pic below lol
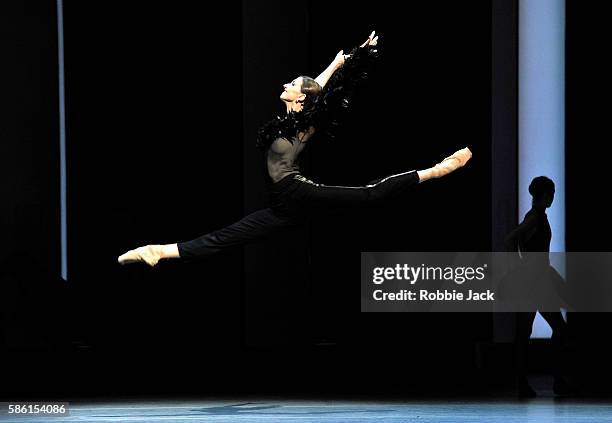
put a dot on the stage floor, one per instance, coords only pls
(273, 410)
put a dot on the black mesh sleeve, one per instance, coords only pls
(335, 100)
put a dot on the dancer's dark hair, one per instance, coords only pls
(323, 106)
(541, 185)
(312, 89)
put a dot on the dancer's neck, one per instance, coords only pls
(294, 107)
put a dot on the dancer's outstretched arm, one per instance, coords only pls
(329, 71)
(446, 166)
(339, 61)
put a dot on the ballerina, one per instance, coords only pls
(312, 105)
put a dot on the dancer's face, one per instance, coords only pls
(550, 196)
(545, 200)
(292, 91)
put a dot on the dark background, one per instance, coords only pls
(163, 103)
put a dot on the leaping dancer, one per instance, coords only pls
(313, 105)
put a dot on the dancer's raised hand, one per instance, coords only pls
(371, 41)
(340, 58)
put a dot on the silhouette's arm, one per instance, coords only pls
(520, 233)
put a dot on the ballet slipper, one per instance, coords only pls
(149, 254)
(453, 162)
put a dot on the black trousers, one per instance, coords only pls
(294, 199)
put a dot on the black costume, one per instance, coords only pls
(293, 197)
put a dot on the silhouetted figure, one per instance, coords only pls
(534, 235)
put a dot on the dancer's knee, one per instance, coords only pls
(374, 194)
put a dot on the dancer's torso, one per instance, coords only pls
(283, 156)
(539, 239)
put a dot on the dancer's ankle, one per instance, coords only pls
(448, 165)
(168, 251)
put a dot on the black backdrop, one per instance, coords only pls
(429, 96)
(587, 180)
(162, 106)
(149, 87)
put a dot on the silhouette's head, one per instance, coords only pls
(542, 189)
(301, 90)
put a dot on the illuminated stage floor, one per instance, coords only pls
(503, 411)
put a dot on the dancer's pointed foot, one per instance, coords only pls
(453, 162)
(150, 254)
(462, 156)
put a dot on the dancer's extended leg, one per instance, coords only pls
(311, 197)
(322, 198)
(251, 228)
